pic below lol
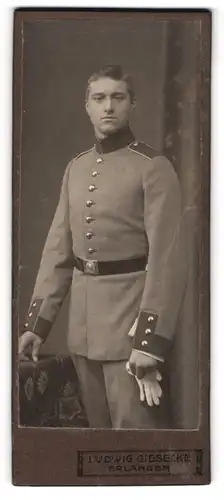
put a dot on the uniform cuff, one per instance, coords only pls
(42, 328)
(153, 356)
(35, 323)
(146, 340)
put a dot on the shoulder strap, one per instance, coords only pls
(144, 149)
(83, 153)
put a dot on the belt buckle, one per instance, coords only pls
(91, 267)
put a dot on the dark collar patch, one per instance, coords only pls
(115, 141)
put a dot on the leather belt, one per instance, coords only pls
(96, 267)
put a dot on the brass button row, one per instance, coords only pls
(89, 204)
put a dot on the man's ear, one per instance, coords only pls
(133, 103)
(87, 106)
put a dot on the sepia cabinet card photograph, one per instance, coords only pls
(111, 187)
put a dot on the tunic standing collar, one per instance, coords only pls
(115, 141)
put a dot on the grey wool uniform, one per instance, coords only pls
(120, 202)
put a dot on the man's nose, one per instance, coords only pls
(108, 105)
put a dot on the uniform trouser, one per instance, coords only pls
(111, 397)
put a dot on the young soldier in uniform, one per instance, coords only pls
(116, 240)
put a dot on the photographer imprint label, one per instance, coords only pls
(132, 463)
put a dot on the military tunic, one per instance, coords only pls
(119, 200)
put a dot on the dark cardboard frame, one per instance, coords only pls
(32, 446)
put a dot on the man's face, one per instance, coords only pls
(108, 105)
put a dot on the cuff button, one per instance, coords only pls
(144, 342)
(150, 318)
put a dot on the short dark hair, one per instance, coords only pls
(116, 73)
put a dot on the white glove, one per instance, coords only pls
(149, 386)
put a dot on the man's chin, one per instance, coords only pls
(109, 128)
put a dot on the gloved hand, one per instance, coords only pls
(149, 387)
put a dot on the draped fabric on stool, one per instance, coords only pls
(49, 393)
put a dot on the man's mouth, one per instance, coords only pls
(108, 118)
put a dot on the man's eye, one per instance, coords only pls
(120, 97)
(98, 98)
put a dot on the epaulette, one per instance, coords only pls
(83, 153)
(143, 149)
